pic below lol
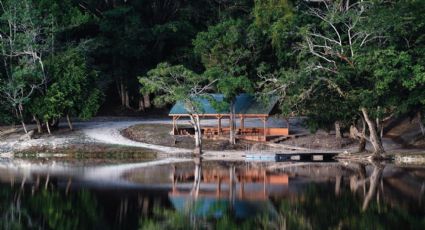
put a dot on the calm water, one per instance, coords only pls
(194, 194)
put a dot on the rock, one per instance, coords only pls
(28, 136)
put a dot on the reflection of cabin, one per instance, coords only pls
(248, 184)
(246, 107)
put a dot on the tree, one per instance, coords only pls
(134, 36)
(25, 40)
(176, 83)
(225, 54)
(336, 43)
(288, 74)
(73, 90)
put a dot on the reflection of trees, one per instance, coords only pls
(316, 208)
(197, 177)
(47, 209)
(374, 180)
(320, 206)
(319, 209)
(360, 180)
(190, 217)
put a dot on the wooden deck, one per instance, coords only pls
(306, 157)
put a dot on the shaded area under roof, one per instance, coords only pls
(244, 104)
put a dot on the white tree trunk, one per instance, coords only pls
(69, 122)
(48, 127)
(21, 117)
(24, 126)
(196, 123)
(375, 139)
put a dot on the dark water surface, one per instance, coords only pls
(195, 194)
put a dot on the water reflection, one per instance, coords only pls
(192, 193)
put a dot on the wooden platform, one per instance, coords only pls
(305, 157)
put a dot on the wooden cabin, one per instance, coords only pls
(246, 107)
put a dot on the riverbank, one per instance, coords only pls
(105, 135)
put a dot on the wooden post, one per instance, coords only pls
(287, 124)
(242, 123)
(174, 125)
(264, 131)
(219, 125)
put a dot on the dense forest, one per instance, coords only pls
(344, 64)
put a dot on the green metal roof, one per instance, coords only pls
(244, 104)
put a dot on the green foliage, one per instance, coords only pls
(329, 77)
(226, 56)
(63, 14)
(175, 83)
(305, 211)
(5, 114)
(73, 90)
(238, 45)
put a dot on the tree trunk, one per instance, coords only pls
(338, 134)
(55, 123)
(69, 122)
(421, 124)
(147, 101)
(362, 141)
(38, 123)
(379, 125)
(361, 137)
(232, 136)
(362, 145)
(121, 92)
(21, 117)
(198, 134)
(141, 105)
(24, 126)
(127, 99)
(374, 138)
(48, 127)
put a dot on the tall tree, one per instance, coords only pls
(176, 83)
(25, 40)
(73, 90)
(226, 56)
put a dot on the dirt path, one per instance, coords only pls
(110, 133)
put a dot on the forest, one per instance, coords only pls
(347, 65)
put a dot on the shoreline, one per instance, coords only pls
(108, 134)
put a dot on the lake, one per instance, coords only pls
(178, 193)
